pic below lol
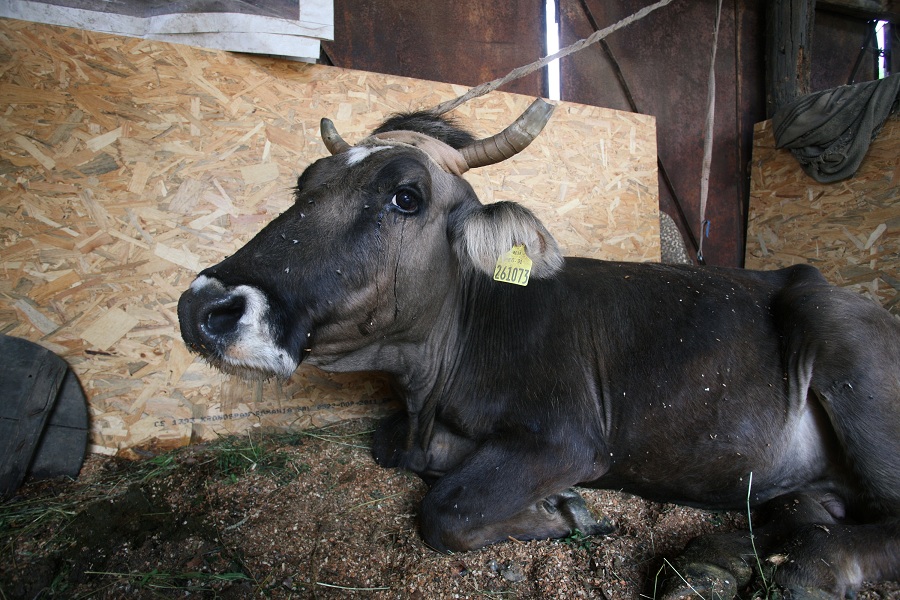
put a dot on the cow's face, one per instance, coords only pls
(367, 258)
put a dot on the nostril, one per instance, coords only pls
(223, 319)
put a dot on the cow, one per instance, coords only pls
(525, 374)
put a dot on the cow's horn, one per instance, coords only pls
(511, 140)
(333, 140)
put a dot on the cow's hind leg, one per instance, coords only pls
(505, 491)
(845, 350)
(716, 565)
(811, 552)
(802, 549)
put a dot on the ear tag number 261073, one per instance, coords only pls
(513, 267)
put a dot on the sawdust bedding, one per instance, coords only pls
(308, 515)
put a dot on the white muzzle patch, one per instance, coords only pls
(254, 350)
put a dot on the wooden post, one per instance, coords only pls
(789, 28)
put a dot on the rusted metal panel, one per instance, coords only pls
(664, 59)
(838, 40)
(457, 42)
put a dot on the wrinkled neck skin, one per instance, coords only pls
(419, 351)
(404, 347)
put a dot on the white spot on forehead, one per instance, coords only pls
(359, 153)
(199, 283)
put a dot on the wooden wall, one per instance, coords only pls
(663, 60)
(849, 229)
(128, 165)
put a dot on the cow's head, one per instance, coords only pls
(365, 259)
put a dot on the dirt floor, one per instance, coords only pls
(308, 515)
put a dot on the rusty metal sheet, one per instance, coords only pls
(836, 44)
(664, 59)
(456, 42)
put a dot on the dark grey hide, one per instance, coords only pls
(672, 382)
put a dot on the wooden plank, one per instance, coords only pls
(465, 43)
(788, 51)
(206, 148)
(666, 76)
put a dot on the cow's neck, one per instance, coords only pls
(423, 367)
(476, 342)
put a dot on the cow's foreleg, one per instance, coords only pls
(395, 446)
(389, 441)
(503, 491)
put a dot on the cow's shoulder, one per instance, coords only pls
(795, 275)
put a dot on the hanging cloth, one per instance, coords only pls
(829, 132)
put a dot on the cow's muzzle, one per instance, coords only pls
(230, 327)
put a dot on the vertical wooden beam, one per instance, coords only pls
(789, 29)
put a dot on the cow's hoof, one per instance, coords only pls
(727, 552)
(580, 518)
(698, 580)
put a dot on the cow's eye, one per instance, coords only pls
(407, 201)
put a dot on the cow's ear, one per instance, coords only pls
(489, 231)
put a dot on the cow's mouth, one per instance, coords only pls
(230, 327)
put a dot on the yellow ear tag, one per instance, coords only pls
(513, 267)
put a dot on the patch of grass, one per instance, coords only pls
(26, 518)
(577, 539)
(156, 467)
(236, 456)
(19, 517)
(232, 456)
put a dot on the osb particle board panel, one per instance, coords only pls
(128, 165)
(850, 230)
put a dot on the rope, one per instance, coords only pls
(708, 138)
(485, 88)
